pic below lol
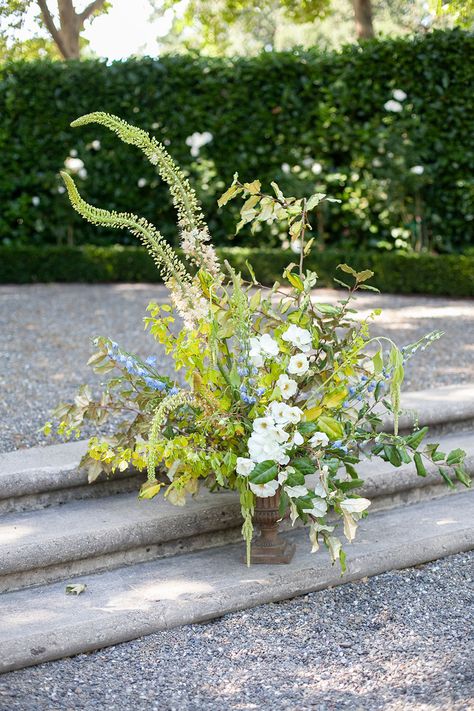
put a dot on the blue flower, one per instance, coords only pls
(173, 391)
(346, 403)
(371, 387)
(363, 379)
(151, 360)
(352, 390)
(155, 384)
(243, 389)
(242, 371)
(260, 391)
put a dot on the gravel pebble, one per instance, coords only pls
(47, 329)
(401, 640)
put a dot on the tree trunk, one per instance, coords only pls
(71, 24)
(71, 27)
(363, 19)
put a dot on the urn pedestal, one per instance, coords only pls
(268, 547)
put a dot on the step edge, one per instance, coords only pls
(122, 627)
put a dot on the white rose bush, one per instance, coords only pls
(278, 394)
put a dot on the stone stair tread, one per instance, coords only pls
(79, 530)
(43, 623)
(436, 406)
(54, 468)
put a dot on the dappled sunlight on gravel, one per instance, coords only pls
(47, 331)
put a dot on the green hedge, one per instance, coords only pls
(296, 108)
(447, 275)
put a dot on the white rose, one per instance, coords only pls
(244, 466)
(298, 337)
(264, 490)
(288, 387)
(319, 439)
(298, 364)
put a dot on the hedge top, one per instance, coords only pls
(301, 109)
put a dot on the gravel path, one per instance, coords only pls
(46, 331)
(401, 640)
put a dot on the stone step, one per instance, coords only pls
(43, 623)
(445, 409)
(80, 537)
(43, 476)
(37, 477)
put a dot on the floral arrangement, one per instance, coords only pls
(279, 394)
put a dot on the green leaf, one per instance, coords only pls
(377, 360)
(420, 467)
(347, 269)
(253, 187)
(307, 428)
(327, 309)
(314, 200)
(462, 476)
(229, 194)
(295, 281)
(303, 465)
(330, 426)
(149, 490)
(446, 477)
(392, 455)
(455, 457)
(264, 472)
(349, 485)
(414, 440)
(364, 275)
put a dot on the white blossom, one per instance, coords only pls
(318, 507)
(394, 106)
(298, 337)
(197, 140)
(268, 345)
(283, 414)
(287, 386)
(74, 164)
(141, 182)
(399, 94)
(417, 170)
(298, 438)
(294, 492)
(35, 200)
(317, 168)
(96, 145)
(319, 439)
(264, 490)
(298, 365)
(244, 466)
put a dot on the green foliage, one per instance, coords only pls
(258, 368)
(443, 275)
(314, 123)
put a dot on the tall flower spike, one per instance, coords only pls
(189, 302)
(195, 234)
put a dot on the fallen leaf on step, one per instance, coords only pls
(76, 589)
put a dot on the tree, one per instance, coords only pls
(64, 24)
(215, 16)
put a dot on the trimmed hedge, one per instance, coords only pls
(295, 108)
(443, 275)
